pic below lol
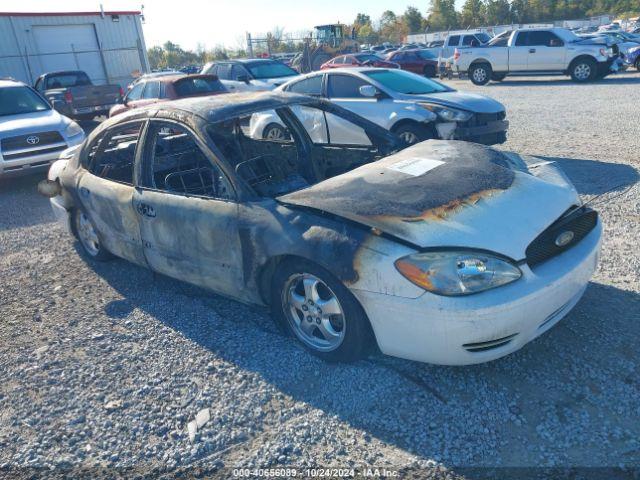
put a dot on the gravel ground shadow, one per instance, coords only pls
(542, 404)
(592, 177)
(626, 78)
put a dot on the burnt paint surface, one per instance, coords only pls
(377, 192)
(268, 230)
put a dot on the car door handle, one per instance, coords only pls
(146, 210)
(532, 50)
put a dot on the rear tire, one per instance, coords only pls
(638, 64)
(584, 70)
(480, 73)
(430, 71)
(88, 237)
(314, 307)
(412, 133)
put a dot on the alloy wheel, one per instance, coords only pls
(409, 137)
(313, 312)
(479, 75)
(582, 71)
(275, 133)
(87, 235)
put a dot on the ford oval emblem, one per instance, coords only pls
(33, 140)
(564, 238)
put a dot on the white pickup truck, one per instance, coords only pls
(537, 52)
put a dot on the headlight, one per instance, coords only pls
(73, 129)
(448, 114)
(457, 272)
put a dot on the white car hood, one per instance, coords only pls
(447, 194)
(48, 120)
(470, 102)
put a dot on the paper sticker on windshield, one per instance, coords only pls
(415, 166)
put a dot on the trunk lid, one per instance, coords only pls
(446, 194)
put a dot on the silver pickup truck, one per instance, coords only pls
(537, 52)
(73, 94)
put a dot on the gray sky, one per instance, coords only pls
(189, 22)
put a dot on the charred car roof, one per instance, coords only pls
(215, 108)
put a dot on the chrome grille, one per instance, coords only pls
(39, 143)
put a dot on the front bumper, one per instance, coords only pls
(489, 134)
(612, 65)
(488, 325)
(61, 213)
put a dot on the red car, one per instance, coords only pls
(358, 60)
(422, 62)
(170, 87)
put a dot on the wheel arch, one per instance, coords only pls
(479, 61)
(410, 121)
(582, 56)
(268, 269)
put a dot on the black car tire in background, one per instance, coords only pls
(413, 132)
(357, 338)
(430, 71)
(480, 73)
(498, 77)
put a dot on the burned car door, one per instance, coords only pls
(105, 189)
(187, 211)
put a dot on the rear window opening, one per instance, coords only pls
(198, 85)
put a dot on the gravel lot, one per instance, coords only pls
(105, 365)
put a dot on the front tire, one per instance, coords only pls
(275, 132)
(412, 133)
(480, 73)
(584, 70)
(88, 236)
(314, 307)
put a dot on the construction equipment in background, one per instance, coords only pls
(328, 41)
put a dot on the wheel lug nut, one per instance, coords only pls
(309, 319)
(305, 308)
(318, 320)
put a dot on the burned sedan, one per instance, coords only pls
(445, 252)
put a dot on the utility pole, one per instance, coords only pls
(249, 46)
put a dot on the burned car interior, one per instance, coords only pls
(303, 157)
(174, 161)
(178, 165)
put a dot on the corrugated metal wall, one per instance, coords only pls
(122, 46)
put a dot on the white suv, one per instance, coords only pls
(32, 134)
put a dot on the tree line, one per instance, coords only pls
(391, 27)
